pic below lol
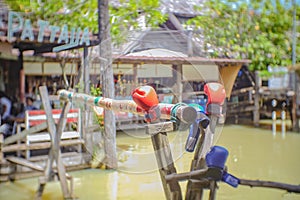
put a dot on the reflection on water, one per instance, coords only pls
(253, 154)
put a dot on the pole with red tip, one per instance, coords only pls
(143, 104)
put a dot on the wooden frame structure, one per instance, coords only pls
(54, 154)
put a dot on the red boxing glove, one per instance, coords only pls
(215, 93)
(145, 97)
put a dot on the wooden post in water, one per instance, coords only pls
(256, 99)
(1, 147)
(164, 158)
(108, 88)
(54, 153)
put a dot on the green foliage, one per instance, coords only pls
(257, 30)
(84, 13)
(125, 16)
(96, 91)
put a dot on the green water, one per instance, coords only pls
(253, 154)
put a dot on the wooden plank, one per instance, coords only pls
(42, 145)
(24, 133)
(60, 166)
(26, 163)
(51, 129)
(62, 122)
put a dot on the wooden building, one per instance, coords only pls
(254, 100)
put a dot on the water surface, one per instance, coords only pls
(253, 154)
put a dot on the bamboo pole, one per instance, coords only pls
(184, 113)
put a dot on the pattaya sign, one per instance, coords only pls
(68, 39)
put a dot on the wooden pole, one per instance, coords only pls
(86, 71)
(51, 128)
(57, 153)
(108, 87)
(164, 159)
(256, 100)
(271, 184)
(179, 91)
(24, 133)
(295, 85)
(22, 77)
(1, 147)
(186, 114)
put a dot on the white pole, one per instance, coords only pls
(274, 103)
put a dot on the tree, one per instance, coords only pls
(95, 15)
(255, 30)
(124, 15)
(108, 87)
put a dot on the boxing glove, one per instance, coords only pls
(215, 93)
(145, 97)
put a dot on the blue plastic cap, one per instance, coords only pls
(216, 157)
(230, 179)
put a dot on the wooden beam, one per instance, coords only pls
(176, 60)
(166, 166)
(26, 163)
(1, 147)
(41, 145)
(24, 133)
(60, 166)
(256, 114)
(271, 184)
